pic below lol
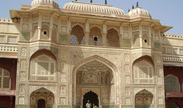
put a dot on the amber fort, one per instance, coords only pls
(60, 57)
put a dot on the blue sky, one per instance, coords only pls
(169, 12)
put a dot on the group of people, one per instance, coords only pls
(88, 105)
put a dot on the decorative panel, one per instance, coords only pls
(126, 43)
(12, 39)
(108, 107)
(63, 29)
(125, 35)
(157, 46)
(63, 38)
(20, 106)
(64, 106)
(2, 38)
(25, 26)
(25, 36)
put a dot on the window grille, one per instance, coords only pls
(77, 35)
(5, 81)
(43, 68)
(112, 38)
(143, 72)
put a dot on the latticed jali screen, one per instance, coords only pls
(112, 38)
(143, 72)
(77, 35)
(4, 79)
(43, 68)
(95, 32)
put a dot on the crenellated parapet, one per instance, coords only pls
(6, 20)
(170, 35)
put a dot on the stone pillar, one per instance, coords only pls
(104, 39)
(39, 27)
(86, 38)
(51, 28)
(121, 35)
(30, 27)
(69, 30)
(140, 36)
(150, 37)
(104, 34)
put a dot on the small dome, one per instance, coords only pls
(44, 3)
(93, 8)
(139, 11)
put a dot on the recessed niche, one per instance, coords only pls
(45, 32)
(145, 40)
(95, 38)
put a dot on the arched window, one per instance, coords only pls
(95, 37)
(45, 31)
(5, 81)
(172, 84)
(43, 68)
(112, 38)
(77, 35)
(145, 40)
(143, 72)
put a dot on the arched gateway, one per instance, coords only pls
(94, 78)
(41, 98)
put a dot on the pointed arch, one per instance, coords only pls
(95, 31)
(41, 93)
(143, 98)
(43, 66)
(77, 35)
(143, 70)
(97, 58)
(45, 31)
(171, 83)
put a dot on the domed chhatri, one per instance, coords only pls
(93, 8)
(49, 3)
(139, 12)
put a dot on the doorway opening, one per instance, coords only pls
(41, 103)
(93, 97)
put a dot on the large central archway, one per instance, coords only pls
(97, 77)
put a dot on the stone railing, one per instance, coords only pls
(169, 35)
(172, 59)
(8, 49)
(6, 20)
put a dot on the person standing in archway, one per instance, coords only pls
(94, 106)
(88, 105)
